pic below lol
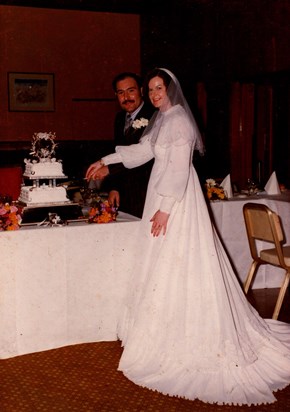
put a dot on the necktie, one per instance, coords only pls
(128, 122)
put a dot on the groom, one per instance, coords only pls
(127, 187)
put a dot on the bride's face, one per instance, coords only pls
(158, 94)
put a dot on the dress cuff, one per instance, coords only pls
(167, 204)
(111, 159)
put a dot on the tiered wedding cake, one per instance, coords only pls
(43, 170)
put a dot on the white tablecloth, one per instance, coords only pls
(229, 221)
(63, 285)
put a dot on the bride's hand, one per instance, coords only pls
(92, 170)
(159, 223)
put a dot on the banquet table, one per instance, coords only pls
(229, 222)
(63, 285)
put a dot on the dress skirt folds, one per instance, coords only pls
(187, 328)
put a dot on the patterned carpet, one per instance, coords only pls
(84, 378)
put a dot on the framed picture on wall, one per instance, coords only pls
(31, 92)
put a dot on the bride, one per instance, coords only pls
(187, 328)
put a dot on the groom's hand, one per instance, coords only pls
(114, 198)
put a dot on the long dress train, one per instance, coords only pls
(187, 328)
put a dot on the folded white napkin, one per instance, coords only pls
(272, 186)
(226, 184)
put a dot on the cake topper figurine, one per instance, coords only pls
(43, 145)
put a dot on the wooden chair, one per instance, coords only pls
(262, 224)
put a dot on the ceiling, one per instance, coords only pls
(118, 6)
(156, 7)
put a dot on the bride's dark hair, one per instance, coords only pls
(178, 108)
(154, 73)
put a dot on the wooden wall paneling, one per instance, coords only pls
(247, 130)
(281, 130)
(241, 132)
(84, 50)
(263, 153)
(202, 103)
(234, 131)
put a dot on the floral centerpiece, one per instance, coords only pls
(214, 191)
(101, 212)
(10, 215)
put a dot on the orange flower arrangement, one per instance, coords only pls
(101, 211)
(10, 215)
(214, 191)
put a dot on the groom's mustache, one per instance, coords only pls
(128, 101)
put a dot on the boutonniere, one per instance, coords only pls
(137, 124)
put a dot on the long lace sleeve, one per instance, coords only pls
(131, 156)
(135, 154)
(111, 159)
(173, 181)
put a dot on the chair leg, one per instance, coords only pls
(281, 296)
(250, 276)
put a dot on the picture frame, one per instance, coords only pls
(31, 92)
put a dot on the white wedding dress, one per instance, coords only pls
(187, 328)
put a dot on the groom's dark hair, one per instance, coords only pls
(123, 76)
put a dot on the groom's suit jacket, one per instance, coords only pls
(130, 183)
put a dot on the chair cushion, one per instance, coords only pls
(270, 256)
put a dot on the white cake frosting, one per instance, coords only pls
(43, 170)
(43, 195)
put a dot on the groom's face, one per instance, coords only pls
(128, 94)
